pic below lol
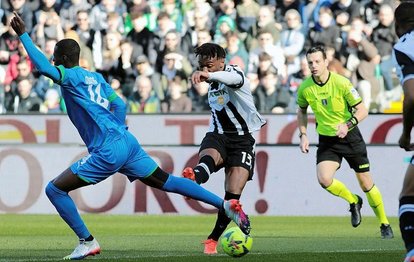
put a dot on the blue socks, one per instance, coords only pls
(191, 189)
(67, 210)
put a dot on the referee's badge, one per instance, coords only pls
(324, 102)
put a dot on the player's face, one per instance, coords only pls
(317, 64)
(57, 58)
(212, 64)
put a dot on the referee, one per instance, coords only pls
(338, 110)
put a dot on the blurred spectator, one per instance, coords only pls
(99, 13)
(123, 69)
(26, 100)
(48, 27)
(143, 37)
(199, 97)
(236, 52)
(335, 65)
(164, 25)
(265, 22)
(89, 36)
(114, 24)
(19, 64)
(265, 64)
(172, 44)
(285, 5)
(143, 68)
(361, 57)
(227, 8)
(111, 52)
(225, 25)
(296, 79)
(176, 101)
(292, 41)
(9, 43)
(325, 32)
(370, 11)
(24, 10)
(351, 7)
(247, 14)
(116, 86)
(24, 71)
(174, 65)
(272, 96)
(311, 12)
(69, 11)
(143, 100)
(51, 105)
(384, 37)
(266, 44)
(171, 9)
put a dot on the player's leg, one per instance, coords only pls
(239, 165)
(236, 179)
(211, 157)
(91, 169)
(406, 211)
(57, 192)
(141, 166)
(183, 186)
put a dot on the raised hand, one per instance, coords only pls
(200, 76)
(17, 24)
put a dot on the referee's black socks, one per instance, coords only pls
(205, 167)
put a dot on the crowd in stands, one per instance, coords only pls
(145, 49)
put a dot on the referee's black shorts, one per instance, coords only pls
(236, 150)
(352, 148)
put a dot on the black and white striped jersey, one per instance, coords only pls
(231, 102)
(403, 53)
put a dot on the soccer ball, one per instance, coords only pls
(235, 243)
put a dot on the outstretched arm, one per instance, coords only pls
(233, 78)
(38, 58)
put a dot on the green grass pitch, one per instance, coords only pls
(178, 238)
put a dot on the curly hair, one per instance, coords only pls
(210, 50)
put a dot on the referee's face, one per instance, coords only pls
(317, 64)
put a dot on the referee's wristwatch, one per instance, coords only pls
(302, 134)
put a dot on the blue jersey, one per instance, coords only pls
(87, 97)
(93, 107)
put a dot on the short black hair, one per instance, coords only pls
(315, 49)
(210, 50)
(404, 20)
(70, 48)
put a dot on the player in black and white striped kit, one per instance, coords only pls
(229, 142)
(404, 55)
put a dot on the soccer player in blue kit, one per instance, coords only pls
(99, 116)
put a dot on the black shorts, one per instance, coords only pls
(236, 150)
(352, 148)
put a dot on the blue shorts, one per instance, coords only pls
(124, 155)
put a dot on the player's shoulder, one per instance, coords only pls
(232, 68)
(405, 44)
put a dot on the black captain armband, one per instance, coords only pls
(353, 121)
